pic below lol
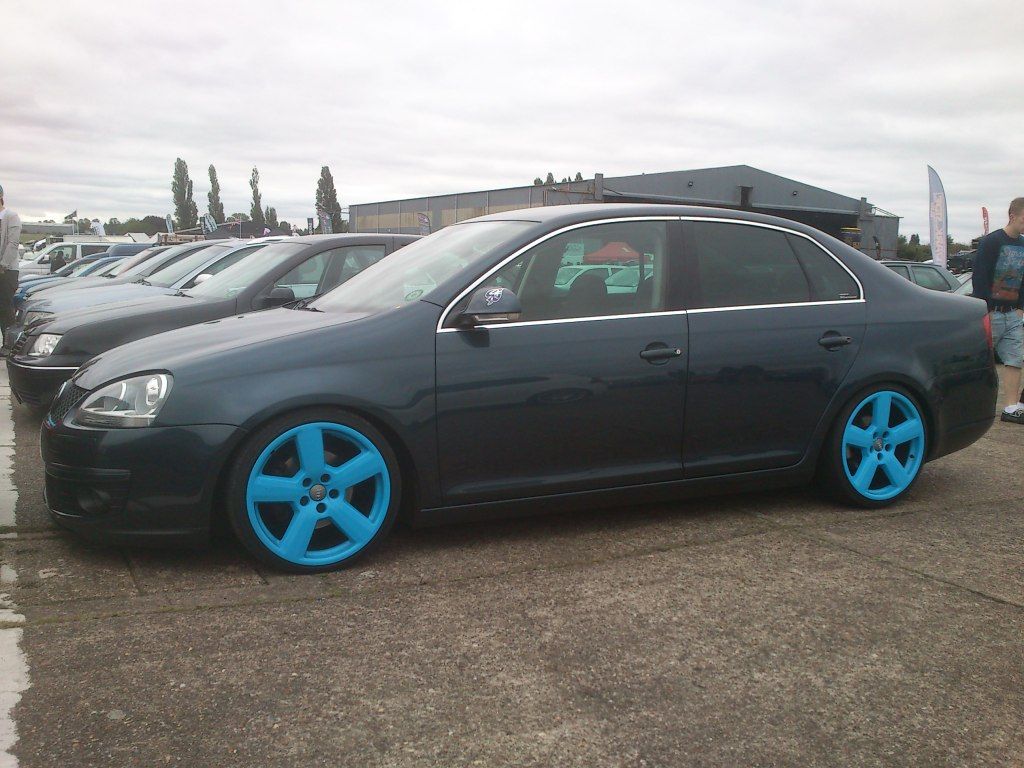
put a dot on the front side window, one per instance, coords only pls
(591, 271)
(739, 265)
(67, 252)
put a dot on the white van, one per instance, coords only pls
(39, 263)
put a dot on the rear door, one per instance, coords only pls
(775, 324)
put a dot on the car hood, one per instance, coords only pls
(66, 301)
(68, 318)
(193, 346)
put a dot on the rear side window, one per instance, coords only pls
(740, 265)
(930, 278)
(89, 250)
(899, 270)
(829, 281)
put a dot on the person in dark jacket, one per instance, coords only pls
(57, 261)
(997, 278)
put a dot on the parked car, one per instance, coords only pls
(84, 267)
(763, 354)
(966, 285)
(175, 272)
(962, 261)
(51, 348)
(39, 263)
(930, 276)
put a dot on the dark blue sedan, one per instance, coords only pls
(458, 381)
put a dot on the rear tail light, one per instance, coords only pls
(987, 324)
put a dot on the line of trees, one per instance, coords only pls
(550, 179)
(186, 213)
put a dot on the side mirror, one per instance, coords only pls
(203, 278)
(490, 305)
(278, 296)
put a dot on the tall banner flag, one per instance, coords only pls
(309, 225)
(424, 220)
(170, 224)
(984, 218)
(937, 217)
(209, 225)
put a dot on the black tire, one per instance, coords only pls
(832, 477)
(245, 459)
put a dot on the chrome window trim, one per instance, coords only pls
(557, 320)
(579, 225)
(43, 367)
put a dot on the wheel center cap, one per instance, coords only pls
(317, 492)
(878, 444)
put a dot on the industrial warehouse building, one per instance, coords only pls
(854, 220)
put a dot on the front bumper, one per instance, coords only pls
(135, 486)
(37, 384)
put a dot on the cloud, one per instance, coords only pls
(403, 99)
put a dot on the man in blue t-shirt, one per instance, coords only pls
(998, 273)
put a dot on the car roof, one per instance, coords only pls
(346, 237)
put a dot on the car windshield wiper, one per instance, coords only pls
(304, 304)
(182, 293)
(143, 281)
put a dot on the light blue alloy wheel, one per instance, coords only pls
(318, 494)
(883, 445)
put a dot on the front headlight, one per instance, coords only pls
(133, 402)
(31, 317)
(44, 345)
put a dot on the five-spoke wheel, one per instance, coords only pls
(312, 493)
(878, 447)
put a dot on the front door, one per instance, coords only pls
(586, 391)
(775, 324)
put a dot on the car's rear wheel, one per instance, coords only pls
(314, 490)
(876, 448)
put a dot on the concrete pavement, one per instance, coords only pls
(760, 629)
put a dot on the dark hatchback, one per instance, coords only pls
(456, 382)
(49, 352)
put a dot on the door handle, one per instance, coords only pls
(832, 341)
(660, 354)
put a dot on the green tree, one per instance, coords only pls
(237, 216)
(327, 199)
(216, 207)
(271, 216)
(285, 227)
(537, 182)
(579, 176)
(256, 212)
(185, 212)
(550, 179)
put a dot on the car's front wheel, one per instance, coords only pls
(876, 448)
(313, 490)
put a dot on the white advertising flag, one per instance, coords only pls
(937, 217)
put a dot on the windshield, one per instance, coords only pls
(168, 275)
(132, 261)
(240, 276)
(76, 268)
(105, 269)
(420, 266)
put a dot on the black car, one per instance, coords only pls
(49, 352)
(457, 382)
(930, 276)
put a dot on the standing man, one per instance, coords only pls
(997, 278)
(10, 237)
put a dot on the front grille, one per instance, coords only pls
(68, 399)
(19, 345)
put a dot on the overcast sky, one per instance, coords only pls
(404, 98)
